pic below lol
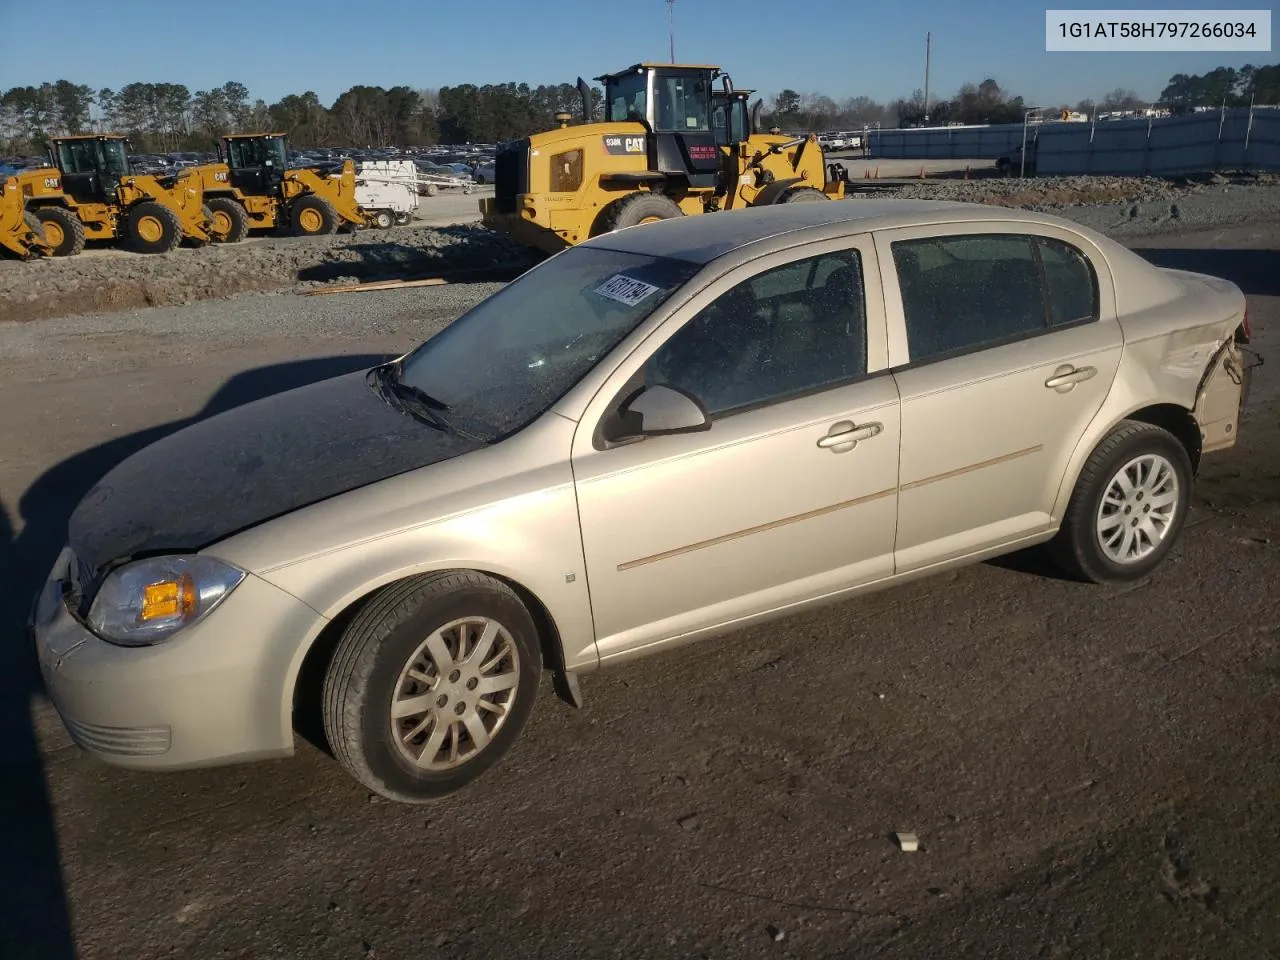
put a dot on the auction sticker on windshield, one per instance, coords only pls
(626, 289)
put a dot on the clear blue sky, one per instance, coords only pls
(835, 47)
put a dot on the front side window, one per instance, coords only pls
(784, 332)
(517, 353)
(962, 292)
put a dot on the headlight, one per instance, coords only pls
(147, 601)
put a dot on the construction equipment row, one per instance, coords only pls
(89, 192)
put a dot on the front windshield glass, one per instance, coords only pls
(626, 96)
(515, 354)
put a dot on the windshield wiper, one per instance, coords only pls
(415, 401)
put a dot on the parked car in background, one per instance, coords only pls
(714, 421)
(484, 172)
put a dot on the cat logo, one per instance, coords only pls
(52, 183)
(620, 146)
(220, 175)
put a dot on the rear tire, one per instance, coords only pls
(230, 220)
(450, 729)
(61, 229)
(637, 208)
(151, 227)
(802, 195)
(312, 216)
(1101, 518)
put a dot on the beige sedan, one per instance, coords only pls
(667, 433)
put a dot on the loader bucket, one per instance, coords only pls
(17, 233)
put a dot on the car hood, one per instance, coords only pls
(251, 463)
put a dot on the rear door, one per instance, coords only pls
(1004, 344)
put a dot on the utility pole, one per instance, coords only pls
(671, 27)
(928, 51)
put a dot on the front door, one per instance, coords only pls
(790, 495)
(1004, 346)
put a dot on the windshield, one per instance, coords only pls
(256, 152)
(626, 96)
(515, 354)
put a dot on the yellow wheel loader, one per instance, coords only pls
(91, 193)
(671, 145)
(254, 188)
(20, 231)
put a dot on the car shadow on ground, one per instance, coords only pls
(34, 916)
(1256, 272)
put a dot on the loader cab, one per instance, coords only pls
(91, 167)
(257, 162)
(674, 104)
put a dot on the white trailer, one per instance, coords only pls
(388, 191)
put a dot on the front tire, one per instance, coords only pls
(802, 195)
(431, 684)
(312, 216)
(152, 228)
(1128, 508)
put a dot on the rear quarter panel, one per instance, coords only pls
(1174, 324)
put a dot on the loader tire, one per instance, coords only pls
(312, 216)
(152, 227)
(61, 229)
(230, 220)
(637, 208)
(802, 195)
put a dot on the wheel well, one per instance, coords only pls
(1179, 422)
(308, 692)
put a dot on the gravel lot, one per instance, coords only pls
(1092, 773)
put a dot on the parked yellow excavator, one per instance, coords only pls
(671, 145)
(253, 187)
(92, 193)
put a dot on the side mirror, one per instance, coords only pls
(662, 410)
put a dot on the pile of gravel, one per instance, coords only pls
(108, 280)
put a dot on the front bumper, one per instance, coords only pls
(219, 691)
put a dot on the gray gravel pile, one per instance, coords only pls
(1124, 206)
(105, 280)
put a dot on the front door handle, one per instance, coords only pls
(843, 435)
(1066, 377)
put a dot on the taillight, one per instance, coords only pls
(1244, 332)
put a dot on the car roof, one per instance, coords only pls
(701, 239)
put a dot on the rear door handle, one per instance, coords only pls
(844, 434)
(1066, 377)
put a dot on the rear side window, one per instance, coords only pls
(1069, 281)
(962, 293)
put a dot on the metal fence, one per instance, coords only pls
(1246, 138)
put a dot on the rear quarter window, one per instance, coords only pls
(1071, 284)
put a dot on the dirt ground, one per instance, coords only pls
(1091, 772)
